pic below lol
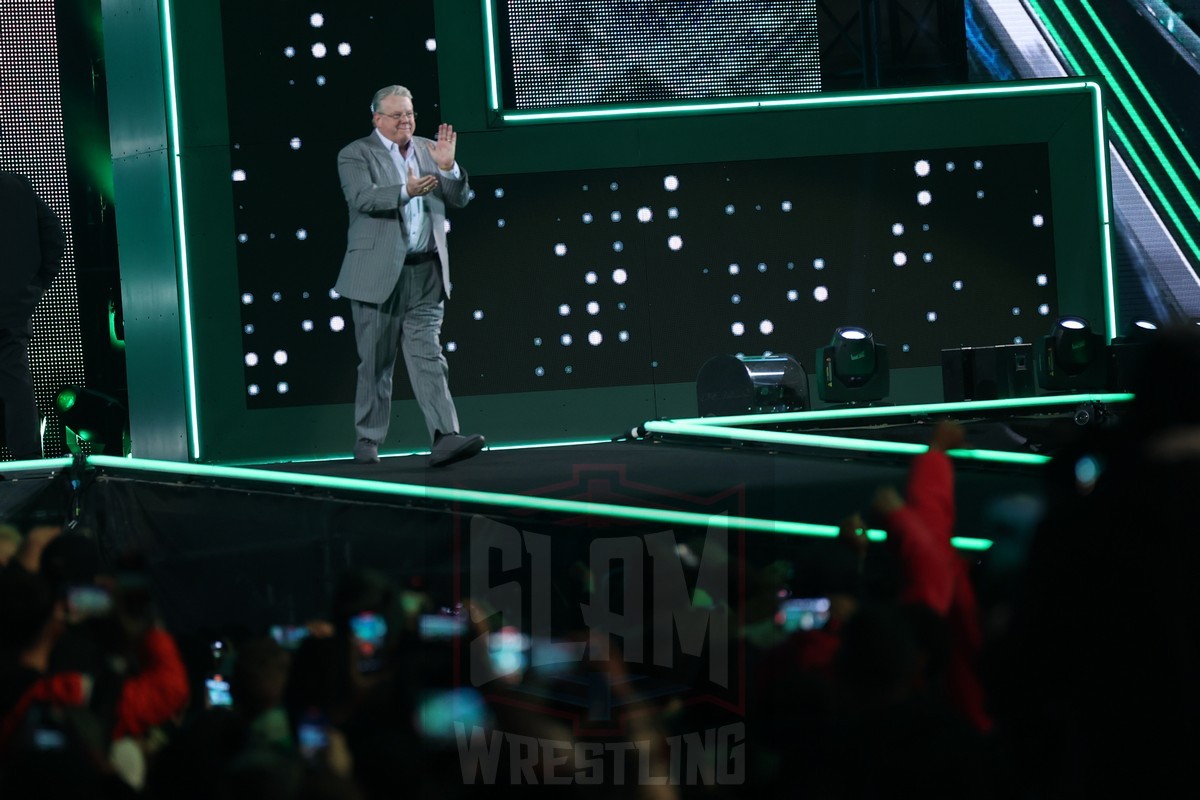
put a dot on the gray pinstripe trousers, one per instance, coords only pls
(409, 321)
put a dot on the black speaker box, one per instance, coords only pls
(988, 373)
(1124, 358)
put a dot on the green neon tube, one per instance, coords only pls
(922, 409)
(502, 500)
(834, 442)
(1138, 122)
(858, 98)
(193, 415)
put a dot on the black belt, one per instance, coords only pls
(413, 259)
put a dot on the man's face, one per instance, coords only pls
(394, 118)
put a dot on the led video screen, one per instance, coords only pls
(584, 279)
(579, 52)
(32, 144)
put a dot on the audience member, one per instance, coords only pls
(86, 671)
(10, 543)
(934, 575)
(1092, 642)
(1099, 694)
(34, 243)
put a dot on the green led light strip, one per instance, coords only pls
(1141, 87)
(468, 496)
(833, 442)
(970, 543)
(1138, 122)
(266, 461)
(193, 415)
(1149, 179)
(511, 501)
(341, 456)
(37, 464)
(539, 445)
(489, 30)
(1159, 154)
(858, 98)
(1101, 153)
(628, 111)
(1102, 180)
(923, 409)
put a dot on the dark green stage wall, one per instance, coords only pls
(603, 259)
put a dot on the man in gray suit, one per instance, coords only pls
(396, 272)
(33, 242)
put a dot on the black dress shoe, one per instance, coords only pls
(366, 451)
(453, 447)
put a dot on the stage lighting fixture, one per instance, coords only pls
(1140, 330)
(93, 417)
(853, 368)
(1071, 358)
(767, 384)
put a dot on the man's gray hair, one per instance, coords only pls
(389, 91)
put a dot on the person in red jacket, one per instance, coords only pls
(919, 528)
(887, 690)
(44, 612)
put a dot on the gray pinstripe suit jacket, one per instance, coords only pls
(377, 235)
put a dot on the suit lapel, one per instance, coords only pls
(383, 159)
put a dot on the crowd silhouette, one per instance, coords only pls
(1064, 663)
